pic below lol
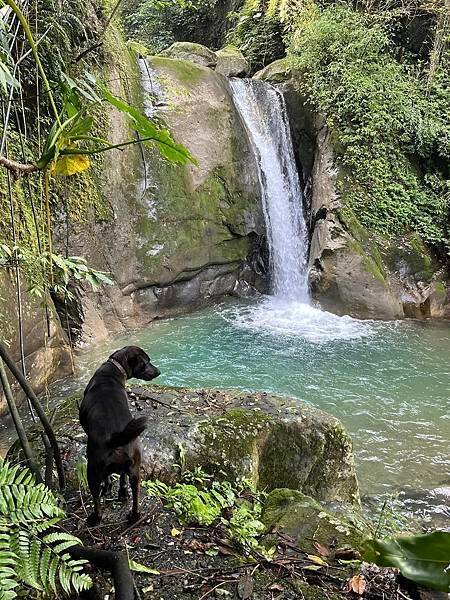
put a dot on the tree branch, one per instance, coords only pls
(16, 167)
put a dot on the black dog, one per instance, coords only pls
(112, 445)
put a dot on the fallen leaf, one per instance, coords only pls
(226, 551)
(174, 532)
(347, 554)
(276, 587)
(322, 550)
(317, 560)
(358, 584)
(140, 568)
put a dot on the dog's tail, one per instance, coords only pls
(133, 429)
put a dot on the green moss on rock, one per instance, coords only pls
(308, 521)
(230, 442)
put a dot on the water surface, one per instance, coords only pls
(388, 382)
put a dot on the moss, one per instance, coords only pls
(410, 257)
(183, 71)
(440, 289)
(230, 441)
(277, 72)
(307, 520)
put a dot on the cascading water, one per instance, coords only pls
(263, 111)
(288, 310)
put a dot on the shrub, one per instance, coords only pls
(391, 123)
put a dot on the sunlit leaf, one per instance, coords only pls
(69, 164)
(140, 568)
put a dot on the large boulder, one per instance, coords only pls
(274, 441)
(196, 53)
(231, 62)
(277, 72)
(307, 521)
(178, 237)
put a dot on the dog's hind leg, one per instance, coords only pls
(123, 488)
(94, 483)
(135, 483)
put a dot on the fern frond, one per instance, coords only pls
(32, 553)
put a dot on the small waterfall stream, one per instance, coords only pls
(263, 111)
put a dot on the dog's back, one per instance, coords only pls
(104, 410)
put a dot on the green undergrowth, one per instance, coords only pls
(389, 118)
(200, 500)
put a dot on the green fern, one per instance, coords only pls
(32, 553)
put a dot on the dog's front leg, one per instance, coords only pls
(123, 490)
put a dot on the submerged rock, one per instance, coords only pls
(231, 62)
(274, 441)
(196, 53)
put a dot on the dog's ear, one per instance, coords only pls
(138, 361)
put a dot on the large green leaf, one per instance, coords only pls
(424, 559)
(150, 131)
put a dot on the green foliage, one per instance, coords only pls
(33, 553)
(198, 500)
(65, 270)
(424, 559)
(159, 23)
(258, 32)
(391, 124)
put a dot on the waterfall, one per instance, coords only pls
(263, 111)
(288, 311)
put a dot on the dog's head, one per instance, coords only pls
(136, 363)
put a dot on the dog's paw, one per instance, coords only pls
(133, 517)
(93, 520)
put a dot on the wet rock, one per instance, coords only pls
(180, 236)
(47, 357)
(274, 441)
(231, 62)
(196, 53)
(277, 72)
(308, 522)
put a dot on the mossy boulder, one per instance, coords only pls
(306, 521)
(278, 71)
(231, 62)
(180, 236)
(192, 52)
(274, 441)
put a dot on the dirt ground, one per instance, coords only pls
(201, 562)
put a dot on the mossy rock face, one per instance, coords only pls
(307, 521)
(189, 51)
(277, 72)
(273, 441)
(180, 236)
(44, 361)
(231, 62)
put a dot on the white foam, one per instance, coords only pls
(278, 316)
